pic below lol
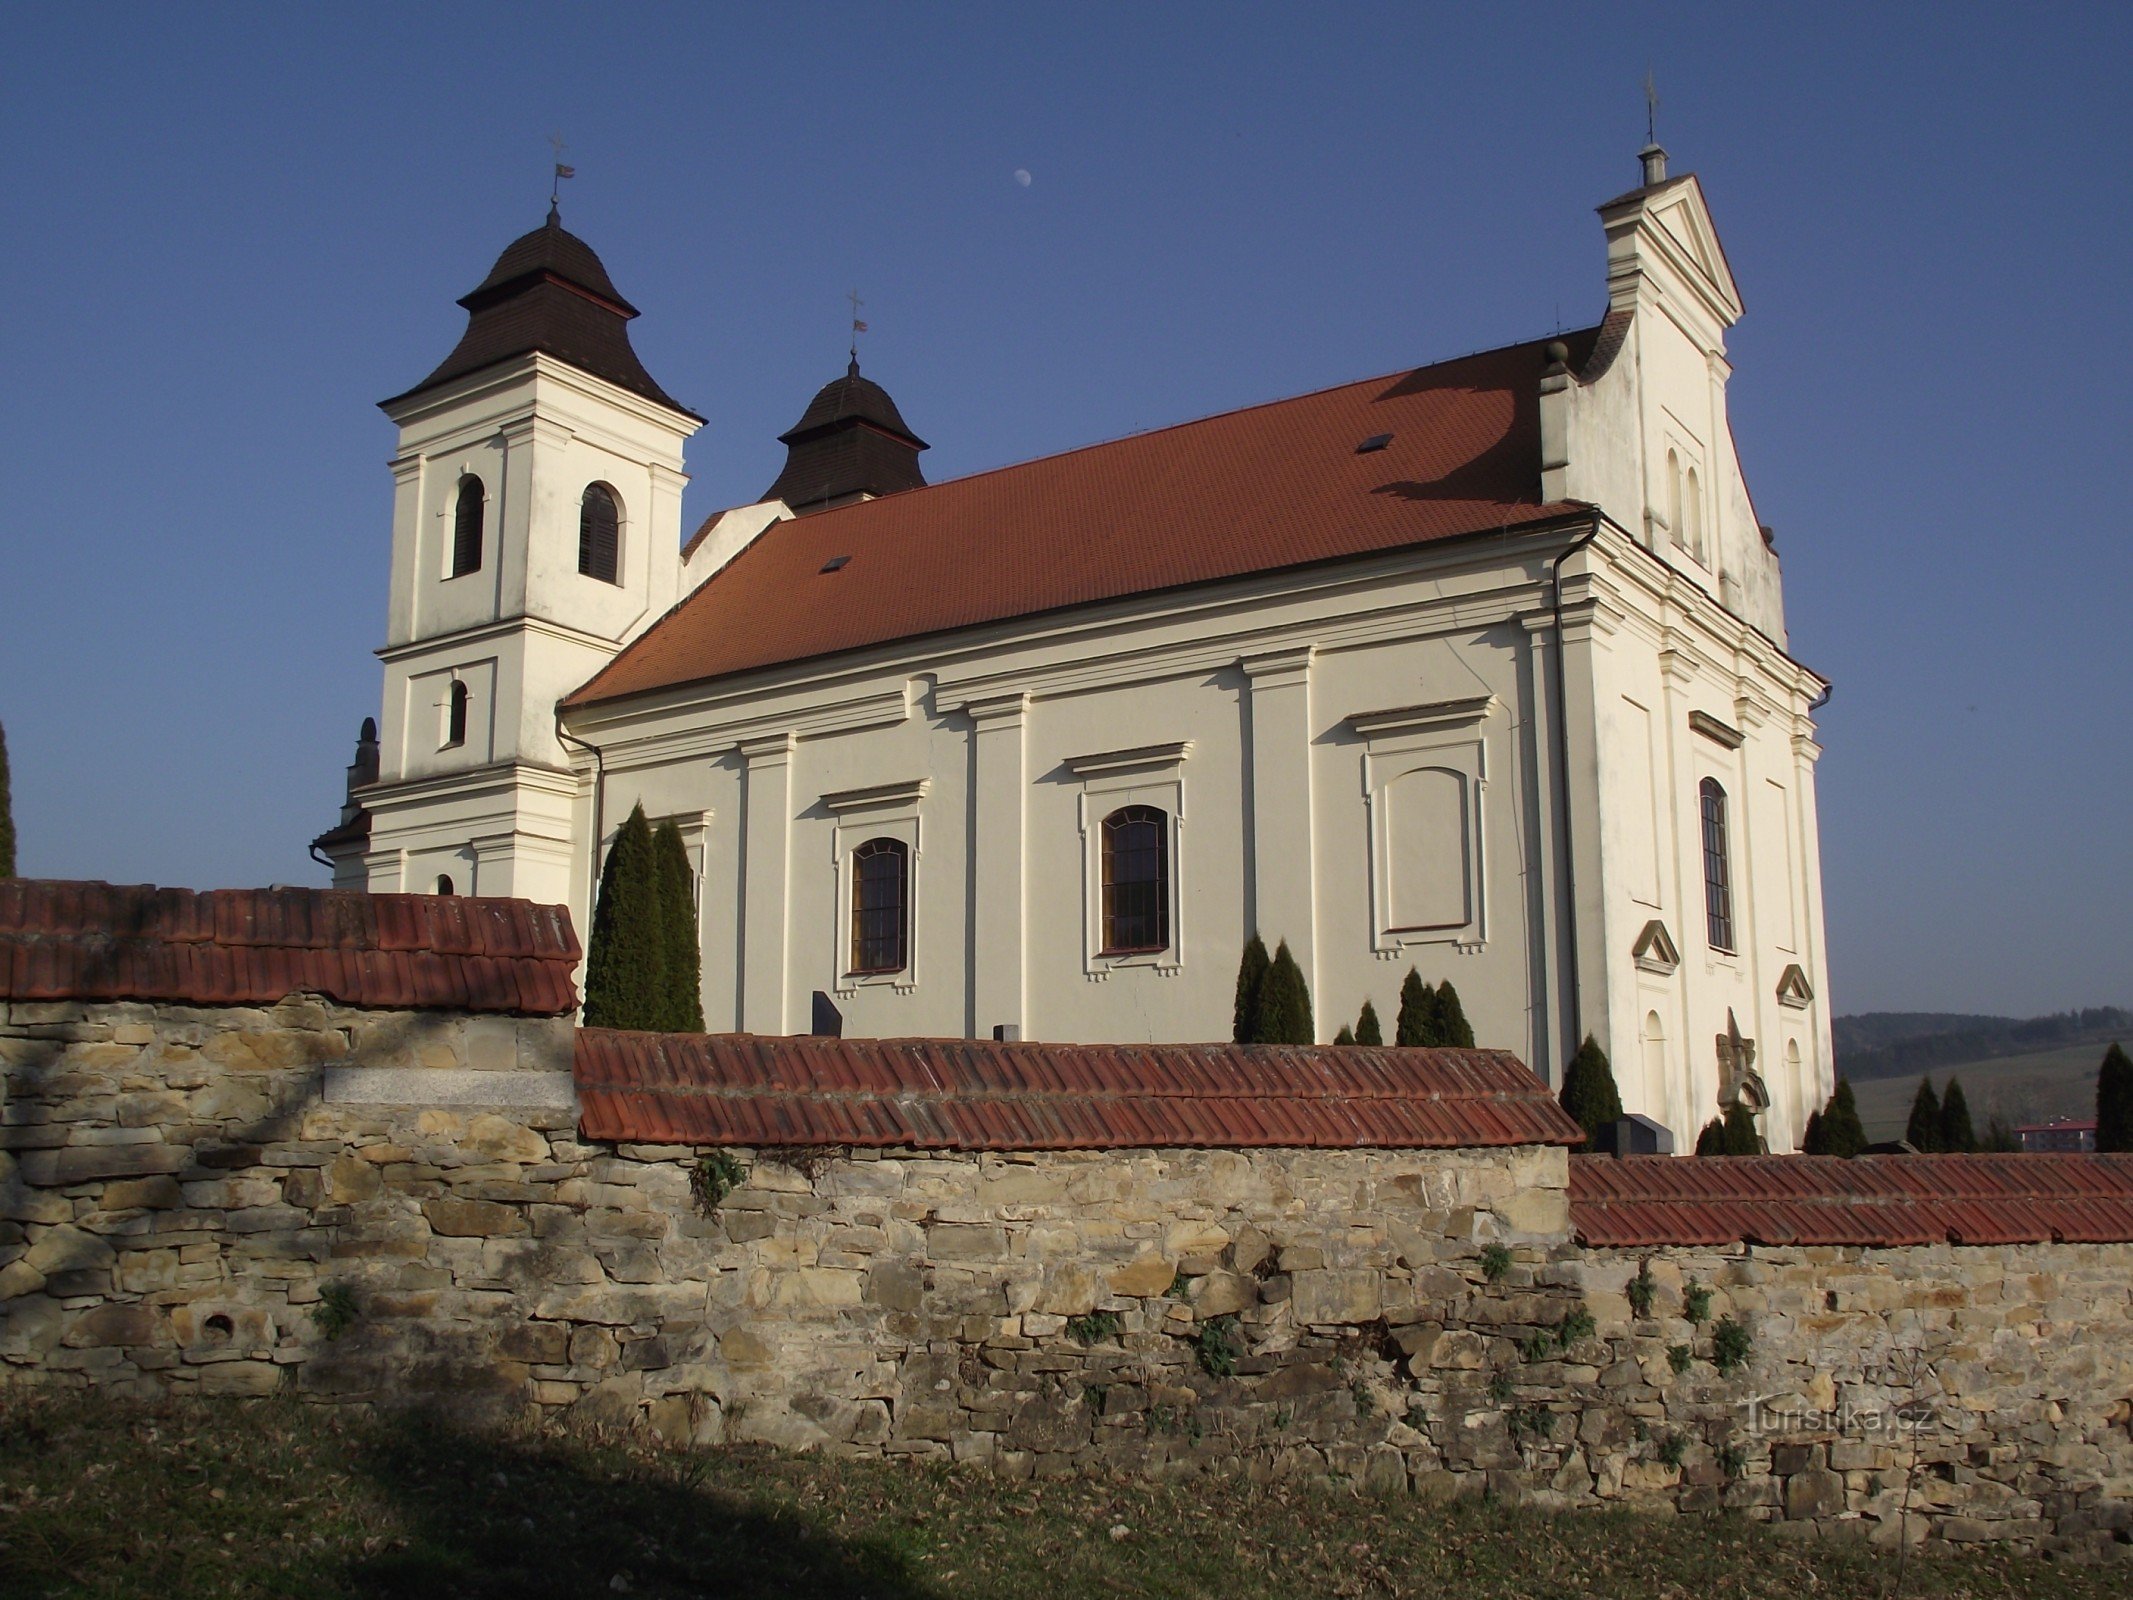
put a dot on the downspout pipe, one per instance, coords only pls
(592, 888)
(1564, 829)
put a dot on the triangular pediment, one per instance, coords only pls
(1664, 234)
(1654, 950)
(1794, 990)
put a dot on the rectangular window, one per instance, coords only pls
(880, 897)
(1136, 880)
(1717, 869)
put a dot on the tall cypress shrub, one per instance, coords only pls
(1712, 1140)
(625, 968)
(1251, 979)
(1452, 1027)
(1345, 1036)
(1813, 1142)
(1922, 1132)
(683, 961)
(2114, 1101)
(1843, 1134)
(7, 814)
(1588, 1091)
(1417, 1022)
(1741, 1137)
(1285, 1002)
(1367, 1029)
(1956, 1133)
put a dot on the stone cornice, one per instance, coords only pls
(1148, 755)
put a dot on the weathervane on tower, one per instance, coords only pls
(555, 189)
(858, 327)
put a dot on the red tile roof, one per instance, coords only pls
(1868, 1200)
(930, 1094)
(1274, 486)
(101, 941)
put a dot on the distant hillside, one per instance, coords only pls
(1888, 1044)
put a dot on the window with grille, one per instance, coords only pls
(1136, 880)
(599, 533)
(466, 527)
(455, 716)
(1717, 867)
(881, 902)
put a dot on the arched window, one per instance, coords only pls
(1136, 880)
(466, 527)
(444, 883)
(455, 716)
(1717, 867)
(599, 533)
(1693, 512)
(881, 906)
(1674, 528)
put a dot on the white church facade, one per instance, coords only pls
(1478, 668)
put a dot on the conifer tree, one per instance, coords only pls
(1285, 1002)
(1345, 1036)
(1452, 1027)
(1712, 1140)
(7, 815)
(1251, 978)
(1922, 1132)
(2114, 1101)
(1956, 1133)
(625, 968)
(1843, 1134)
(677, 921)
(1812, 1140)
(1367, 1030)
(1589, 1093)
(1740, 1135)
(1999, 1137)
(1417, 1022)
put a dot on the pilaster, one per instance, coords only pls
(1284, 901)
(998, 804)
(766, 829)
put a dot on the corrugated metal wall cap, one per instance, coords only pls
(977, 1094)
(68, 940)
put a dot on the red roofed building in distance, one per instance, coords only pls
(1478, 668)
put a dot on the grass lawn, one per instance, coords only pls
(272, 1498)
(2031, 1088)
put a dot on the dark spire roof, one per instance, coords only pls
(850, 441)
(549, 292)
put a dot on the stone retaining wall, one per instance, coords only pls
(374, 1206)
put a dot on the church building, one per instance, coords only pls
(1478, 668)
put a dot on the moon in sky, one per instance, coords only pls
(1022, 176)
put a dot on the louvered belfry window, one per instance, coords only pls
(1136, 880)
(1717, 867)
(599, 533)
(881, 901)
(466, 527)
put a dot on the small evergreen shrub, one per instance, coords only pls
(1452, 1027)
(1588, 1091)
(1345, 1036)
(1367, 1028)
(1712, 1140)
(1956, 1133)
(1416, 1025)
(1495, 1261)
(1922, 1132)
(2114, 1101)
(626, 966)
(1251, 975)
(683, 955)
(1285, 1002)
(1835, 1130)
(1742, 1139)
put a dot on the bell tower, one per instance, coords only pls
(536, 530)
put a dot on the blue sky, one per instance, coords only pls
(233, 229)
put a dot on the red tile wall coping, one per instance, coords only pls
(1867, 1200)
(63, 940)
(720, 1089)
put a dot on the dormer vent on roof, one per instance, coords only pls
(850, 443)
(549, 292)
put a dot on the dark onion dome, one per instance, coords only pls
(548, 292)
(850, 441)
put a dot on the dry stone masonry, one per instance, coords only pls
(244, 1201)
